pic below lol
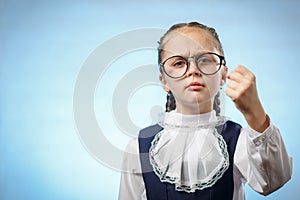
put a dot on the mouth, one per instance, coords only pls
(195, 86)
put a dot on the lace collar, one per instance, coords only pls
(174, 119)
(189, 152)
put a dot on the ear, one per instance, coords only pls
(164, 83)
(224, 71)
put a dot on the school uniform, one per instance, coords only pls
(202, 157)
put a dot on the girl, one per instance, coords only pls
(193, 153)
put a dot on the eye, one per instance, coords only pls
(176, 62)
(179, 63)
(205, 60)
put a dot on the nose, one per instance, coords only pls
(193, 69)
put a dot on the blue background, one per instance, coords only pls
(43, 46)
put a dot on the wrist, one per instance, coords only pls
(258, 121)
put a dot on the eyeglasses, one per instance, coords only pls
(207, 63)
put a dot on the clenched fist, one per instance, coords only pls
(243, 92)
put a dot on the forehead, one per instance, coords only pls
(188, 40)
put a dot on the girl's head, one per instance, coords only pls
(192, 67)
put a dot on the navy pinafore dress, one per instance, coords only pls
(157, 190)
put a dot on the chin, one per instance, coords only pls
(198, 99)
(198, 102)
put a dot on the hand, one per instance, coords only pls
(242, 90)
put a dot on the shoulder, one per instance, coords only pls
(145, 133)
(232, 125)
(132, 146)
(150, 131)
(131, 161)
(231, 131)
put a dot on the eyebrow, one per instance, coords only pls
(188, 54)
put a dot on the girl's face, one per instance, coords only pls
(194, 92)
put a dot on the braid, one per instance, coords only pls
(216, 105)
(171, 104)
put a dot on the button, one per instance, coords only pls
(262, 138)
(258, 141)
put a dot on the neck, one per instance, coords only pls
(194, 109)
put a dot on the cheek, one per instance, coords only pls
(174, 86)
(213, 84)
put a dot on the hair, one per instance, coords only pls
(171, 103)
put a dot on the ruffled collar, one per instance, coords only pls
(175, 119)
(189, 152)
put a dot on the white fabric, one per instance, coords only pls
(260, 159)
(191, 157)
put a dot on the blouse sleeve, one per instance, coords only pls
(132, 183)
(262, 159)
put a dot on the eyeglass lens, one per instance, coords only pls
(177, 66)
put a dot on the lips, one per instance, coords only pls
(195, 86)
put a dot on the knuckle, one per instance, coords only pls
(248, 83)
(251, 76)
(239, 67)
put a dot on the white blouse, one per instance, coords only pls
(260, 159)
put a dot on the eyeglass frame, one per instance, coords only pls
(222, 59)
